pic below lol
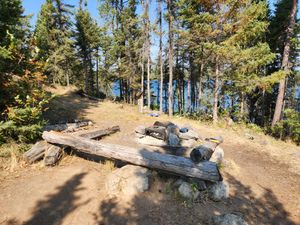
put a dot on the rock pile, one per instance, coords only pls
(170, 135)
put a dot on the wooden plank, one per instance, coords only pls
(143, 157)
(99, 133)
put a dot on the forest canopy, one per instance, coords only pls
(213, 60)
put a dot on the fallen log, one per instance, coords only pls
(94, 134)
(52, 155)
(68, 127)
(170, 163)
(38, 150)
(148, 140)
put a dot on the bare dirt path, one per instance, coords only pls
(264, 176)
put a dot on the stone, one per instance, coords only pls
(183, 130)
(189, 143)
(219, 191)
(173, 140)
(218, 155)
(201, 185)
(229, 219)
(129, 180)
(190, 134)
(140, 130)
(178, 182)
(187, 191)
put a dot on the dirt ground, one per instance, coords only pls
(263, 174)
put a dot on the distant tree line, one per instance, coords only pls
(215, 59)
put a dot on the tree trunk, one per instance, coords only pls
(284, 66)
(142, 87)
(97, 73)
(169, 163)
(148, 79)
(200, 84)
(216, 93)
(160, 59)
(170, 93)
(189, 94)
(242, 104)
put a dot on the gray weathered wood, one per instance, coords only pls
(52, 155)
(170, 163)
(156, 132)
(68, 127)
(36, 152)
(100, 133)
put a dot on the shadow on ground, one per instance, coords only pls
(67, 108)
(162, 206)
(55, 207)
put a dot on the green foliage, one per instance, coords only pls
(24, 120)
(289, 127)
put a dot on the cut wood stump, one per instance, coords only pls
(36, 152)
(169, 163)
(52, 155)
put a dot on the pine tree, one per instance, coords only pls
(53, 34)
(285, 65)
(170, 25)
(87, 37)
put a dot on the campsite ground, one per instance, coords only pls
(263, 174)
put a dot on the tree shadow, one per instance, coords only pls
(57, 206)
(67, 108)
(161, 206)
(266, 209)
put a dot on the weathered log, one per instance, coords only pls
(52, 155)
(205, 151)
(163, 124)
(94, 134)
(172, 135)
(156, 132)
(68, 127)
(151, 141)
(170, 163)
(201, 153)
(36, 152)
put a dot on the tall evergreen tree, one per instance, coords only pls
(87, 38)
(284, 44)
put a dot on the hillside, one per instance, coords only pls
(263, 174)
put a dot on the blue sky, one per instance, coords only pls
(33, 7)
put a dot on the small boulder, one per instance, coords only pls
(229, 219)
(129, 180)
(189, 134)
(187, 191)
(219, 191)
(140, 130)
(218, 155)
(173, 140)
(201, 185)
